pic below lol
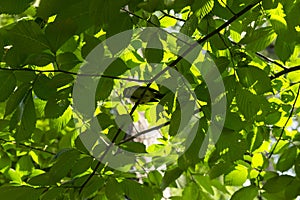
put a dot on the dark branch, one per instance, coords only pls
(286, 71)
(144, 132)
(168, 15)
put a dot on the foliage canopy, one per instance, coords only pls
(255, 45)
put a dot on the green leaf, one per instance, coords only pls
(251, 76)
(202, 8)
(27, 38)
(205, 182)
(58, 124)
(277, 19)
(5, 162)
(114, 190)
(25, 76)
(297, 166)
(151, 5)
(104, 120)
(90, 43)
(56, 107)
(269, 4)
(245, 193)
(67, 61)
(40, 59)
(21, 192)
(14, 6)
(219, 42)
(135, 147)
(7, 84)
(287, 159)
(81, 166)
(28, 120)
(63, 165)
(95, 184)
(1, 47)
(16, 98)
(275, 184)
(247, 102)
(293, 190)
(255, 138)
(191, 155)
(233, 121)
(259, 39)
(51, 7)
(53, 193)
(136, 191)
(154, 20)
(104, 88)
(222, 63)
(116, 68)
(24, 165)
(61, 80)
(202, 92)
(15, 57)
(287, 96)
(191, 191)
(16, 117)
(155, 177)
(59, 32)
(41, 180)
(237, 176)
(154, 51)
(124, 23)
(231, 146)
(284, 49)
(170, 176)
(189, 27)
(42, 87)
(175, 122)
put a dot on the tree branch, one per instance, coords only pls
(168, 15)
(73, 73)
(286, 71)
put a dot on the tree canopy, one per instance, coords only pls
(63, 70)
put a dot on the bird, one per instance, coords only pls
(135, 93)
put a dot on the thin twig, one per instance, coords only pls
(155, 25)
(73, 73)
(168, 15)
(271, 60)
(282, 130)
(265, 57)
(144, 132)
(151, 129)
(231, 11)
(27, 146)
